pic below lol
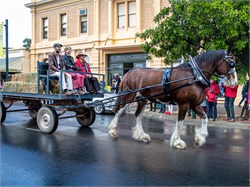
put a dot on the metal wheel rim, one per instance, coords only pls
(45, 120)
(98, 109)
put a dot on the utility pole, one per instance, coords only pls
(6, 49)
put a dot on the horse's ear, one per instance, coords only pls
(230, 50)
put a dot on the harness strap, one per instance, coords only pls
(125, 92)
(166, 79)
(198, 74)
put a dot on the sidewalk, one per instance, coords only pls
(188, 120)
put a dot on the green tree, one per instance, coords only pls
(188, 26)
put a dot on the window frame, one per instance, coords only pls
(127, 14)
(81, 24)
(62, 24)
(131, 14)
(121, 15)
(45, 37)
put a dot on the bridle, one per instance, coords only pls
(229, 59)
(198, 72)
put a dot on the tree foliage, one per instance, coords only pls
(189, 26)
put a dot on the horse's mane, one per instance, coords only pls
(209, 57)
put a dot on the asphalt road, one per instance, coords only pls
(75, 156)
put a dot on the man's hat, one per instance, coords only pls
(80, 54)
(57, 45)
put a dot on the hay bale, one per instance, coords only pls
(21, 87)
(27, 83)
(55, 87)
(24, 77)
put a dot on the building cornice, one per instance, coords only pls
(119, 46)
(32, 4)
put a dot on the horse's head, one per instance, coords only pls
(226, 68)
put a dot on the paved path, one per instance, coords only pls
(188, 120)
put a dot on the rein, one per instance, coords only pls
(100, 102)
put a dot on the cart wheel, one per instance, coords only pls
(99, 108)
(47, 119)
(34, 106)
(88, 118)
(2, 112)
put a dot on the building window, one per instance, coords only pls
(132, 14)
(45, 28)
(63, 25)
(126, 14)
(84, 24)
(121, 15)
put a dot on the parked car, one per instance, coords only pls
(106, 105)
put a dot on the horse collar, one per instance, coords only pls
(198, 74)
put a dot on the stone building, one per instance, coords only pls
(103, 29)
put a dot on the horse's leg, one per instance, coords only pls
(113, 124)
(138, 132)
(119, 109)
(201, 132)
(175, 140)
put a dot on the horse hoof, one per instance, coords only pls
(113, 134)
(179, 144)
(200, 140)
(146, 138)
(141, 136)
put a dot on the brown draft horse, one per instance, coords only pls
(190, 96)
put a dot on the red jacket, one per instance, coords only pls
(230, 91)
(80, 65)
(212, 92)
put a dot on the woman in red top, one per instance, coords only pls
(91, 83)
(230, 95)
(211, 94)
(82, 64)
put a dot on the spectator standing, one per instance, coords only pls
(245, 108)
(163, 108)
(102, 85)
(204, 105)
(248, 101)
(170, 109)
(230, 95)
(152, 106)
(211, 92)
(56, 63)
(222, 91)
(244, 93)
(117, 82)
